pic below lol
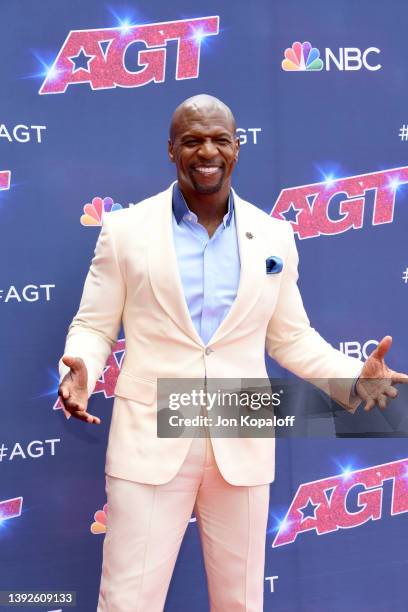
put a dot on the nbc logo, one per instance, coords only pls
(99, 524)
(100, 520)
(302, 56)
(94, 211)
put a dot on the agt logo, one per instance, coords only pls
(22, 133)
(28, 450)
(248, 135)
(304, 57)
(335, 206)
(102, 57)
(271, 582)
(345, 501)
(107, 382)
(29, 293)
(10, 508)
(5, 176)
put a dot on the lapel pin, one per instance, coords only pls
(249, 235)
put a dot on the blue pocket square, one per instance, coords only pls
(274, 265)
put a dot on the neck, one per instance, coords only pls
(209, 208)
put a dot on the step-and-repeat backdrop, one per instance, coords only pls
(319, 91)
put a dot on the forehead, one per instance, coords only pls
(203, 121)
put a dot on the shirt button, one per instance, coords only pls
(209, 350)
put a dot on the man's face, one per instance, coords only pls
(205, 150)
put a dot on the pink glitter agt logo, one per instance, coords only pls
(5, 179)
(98, 57)
(323, 506)
(10, 508)
(337, 205)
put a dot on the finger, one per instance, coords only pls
(75, 364)
(361, 391)
(73, 406)
(81, 415)
(382, 401)
(382, 348)
(369, 405)
(398, 378)
(86, 417)
(368, 389)
(69, 361)
(391, 392)
(64, 393)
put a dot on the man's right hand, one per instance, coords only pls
(73, 390)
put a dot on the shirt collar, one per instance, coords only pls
(181, 210)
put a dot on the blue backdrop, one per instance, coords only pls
(319, 92)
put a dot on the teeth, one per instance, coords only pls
(207, 170)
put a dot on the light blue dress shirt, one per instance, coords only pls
(209, 267)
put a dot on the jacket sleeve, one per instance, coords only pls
(96, 325)
(296, 346)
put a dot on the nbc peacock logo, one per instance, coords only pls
(94, 211)
(100, 521)
(302, 56)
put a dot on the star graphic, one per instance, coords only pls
(308, 511)
(81, 61)
(291, 214)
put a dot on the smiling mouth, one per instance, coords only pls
(206, 170)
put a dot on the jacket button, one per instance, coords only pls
(209, 350)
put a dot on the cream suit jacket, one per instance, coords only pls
(134, 279)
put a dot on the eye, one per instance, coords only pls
(223, 141)
(190, 143)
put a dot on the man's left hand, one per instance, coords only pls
(376, 381)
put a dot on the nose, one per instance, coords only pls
(208, 149)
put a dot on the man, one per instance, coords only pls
(185, 271)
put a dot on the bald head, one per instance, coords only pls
(201, 105)
(204, 146)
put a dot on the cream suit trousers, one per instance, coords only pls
(146, 524)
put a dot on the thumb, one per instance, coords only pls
(78, 368)
(383, 348)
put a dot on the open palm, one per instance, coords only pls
(375, 385)
(73, 390)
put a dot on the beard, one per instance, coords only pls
(206, 189)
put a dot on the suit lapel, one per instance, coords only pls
(252, 274)
(165, 277)
(163, 267)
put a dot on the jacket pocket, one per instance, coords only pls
(134, 388)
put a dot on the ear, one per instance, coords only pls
(237, 147)
(170, 150)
